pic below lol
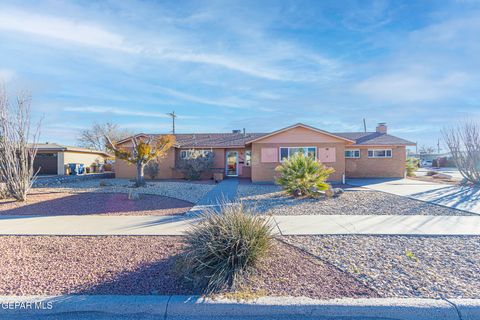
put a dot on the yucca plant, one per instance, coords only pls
(225, 246)
(303, 175)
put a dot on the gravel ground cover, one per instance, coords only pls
(354, 201)
(84, 203)
(402, 266)
(144, 265)
(188, 191)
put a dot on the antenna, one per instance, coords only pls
(173, 115)
(364, 125)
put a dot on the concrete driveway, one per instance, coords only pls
(458, 197)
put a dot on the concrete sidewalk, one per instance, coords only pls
(464, 198)
(285, 225)
(195, 307)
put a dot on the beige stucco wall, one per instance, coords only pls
(64, 158)
(125, 170)
(265, 172)
(366, 167)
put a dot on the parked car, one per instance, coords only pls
(426, 163)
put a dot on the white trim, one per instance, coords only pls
(226, 163)
(299, 125)
(375, 157)
(359, 153)
(296, 147)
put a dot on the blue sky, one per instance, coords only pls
(259, 65)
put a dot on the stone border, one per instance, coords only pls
(193, 306)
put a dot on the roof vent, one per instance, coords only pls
(381, 127)
(236, 131)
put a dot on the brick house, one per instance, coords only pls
(255, 155)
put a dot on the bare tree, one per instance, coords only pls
(17, 154)
(426, 149)
(94, 138)
(463, 142)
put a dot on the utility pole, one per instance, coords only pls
(173, 116)
(364, 125)
(438, 146)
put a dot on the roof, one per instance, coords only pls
(59, 147)
(303, 126)
(239, 140)
(375, 139)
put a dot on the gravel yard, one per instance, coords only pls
(144, 265)
(354, 201)
(84, 203)
(184, 190)
(401, 266)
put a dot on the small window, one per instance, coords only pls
(248, 158)
(380, 153)
(184, 154)
(352, 153)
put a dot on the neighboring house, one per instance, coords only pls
(255, 155)
(53, 158)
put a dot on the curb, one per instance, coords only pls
(195, 306)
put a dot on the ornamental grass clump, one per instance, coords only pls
(225, 247)
(302, 175)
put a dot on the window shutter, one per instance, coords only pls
(326, 155)
(269, 155)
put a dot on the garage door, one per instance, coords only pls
(46, 162)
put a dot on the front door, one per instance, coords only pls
(232, 164)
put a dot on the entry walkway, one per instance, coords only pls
(464, 198)
(224, 192)
(285, 225)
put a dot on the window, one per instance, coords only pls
(287, 152)
(185, 154)
(248, 158)
(355, 153)
(380, 153)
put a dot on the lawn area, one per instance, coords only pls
(270, 199)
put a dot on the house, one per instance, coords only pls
(255, 155)
(54, 158)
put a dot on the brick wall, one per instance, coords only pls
(365, 167)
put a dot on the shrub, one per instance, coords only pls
(225, 247)
(151, 169)
(301, 175)
(196, 163)
(411, 166)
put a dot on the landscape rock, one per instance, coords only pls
(442, 176)
(133, 195)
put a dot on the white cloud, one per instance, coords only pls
(120, 112)
(62, 29)
(230, 103)
(412, 85)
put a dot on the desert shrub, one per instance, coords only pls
(151, 169)
(301, 175)
(411, 166)
(225, 247)
(196, 163)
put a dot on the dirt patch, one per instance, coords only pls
(64, 203)
(55, 265)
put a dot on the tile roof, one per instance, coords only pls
(232, 140)
(374, 138)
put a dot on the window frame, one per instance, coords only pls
(352, 150)
(373, 156)
(295, 147)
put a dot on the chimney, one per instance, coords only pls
(381, 127)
